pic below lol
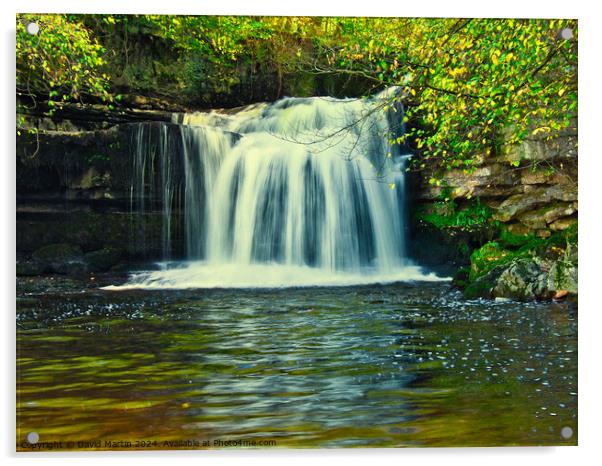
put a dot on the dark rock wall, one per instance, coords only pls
(73, 183)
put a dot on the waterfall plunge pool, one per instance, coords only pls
(405, 364)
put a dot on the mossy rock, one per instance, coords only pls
(523, 280)
(481, 288)
(103, 259)
(461, 278)
(572, 253)
(71, 267)
(563, 276)
(57, 252)
(489, 256)
(523, 267)
(514, 236)
(564, 273)
(61, 258)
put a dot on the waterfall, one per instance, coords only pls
(303, 191)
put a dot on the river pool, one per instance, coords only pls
(406, 364)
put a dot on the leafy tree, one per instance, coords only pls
(472, 85)
(62, 61)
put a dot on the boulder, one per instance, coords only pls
(57, 252)
(62, 258)
(563, 275)
(103, 259)
(480, 288)
(522, 280)
(529, 278)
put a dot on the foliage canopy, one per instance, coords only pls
(470, 85)
(62, 61)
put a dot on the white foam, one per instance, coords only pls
(231, 275)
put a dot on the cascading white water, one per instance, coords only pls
(300, 192)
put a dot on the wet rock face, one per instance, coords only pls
(68, 259)
(531, 187)
(539, 202)
(83, 164)
(60, 258)
(434, 247)
(55, 239)
(29, 268)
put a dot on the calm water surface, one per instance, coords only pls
(387, 366)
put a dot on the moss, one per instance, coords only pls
(571, 234)
(445, 214)
(463, 250)
(532, 242)
(496, 253)
(478, 289)
(487, 257)
(509, 239)
(461, 277)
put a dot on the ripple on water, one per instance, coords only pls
(401, 364)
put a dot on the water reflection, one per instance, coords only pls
(396, 365)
